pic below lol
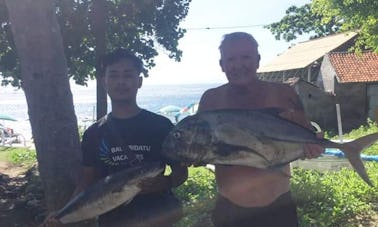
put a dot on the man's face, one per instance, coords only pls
(122, 81)
(240, 61)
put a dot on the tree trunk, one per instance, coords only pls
(50, 105)
(99, 31)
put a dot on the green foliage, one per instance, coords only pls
(337, 198)
(23, 156)
(197, 194)
(142, 26)
(354, 15)
(300, 20)
(324, 17)
(81, 132)
(18, 156)
(333, 198)
(369, 128)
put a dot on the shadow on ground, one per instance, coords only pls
(21, 198)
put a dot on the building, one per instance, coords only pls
(303, 60)
(353, 78)
(328, 75)
(319, 105)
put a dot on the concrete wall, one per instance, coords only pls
(372, 95)
(319, 106)
(352, 98)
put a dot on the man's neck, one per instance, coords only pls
(125, 110)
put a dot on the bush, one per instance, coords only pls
(18, 156)
(337, 198)
(197, 194)
(333, 198)
(369, 128)
(23, 156)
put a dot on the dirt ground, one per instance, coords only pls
(21, 197)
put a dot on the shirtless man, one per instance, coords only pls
(249, 196)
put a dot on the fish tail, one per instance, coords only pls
(352, 151)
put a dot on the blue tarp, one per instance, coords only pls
(340, 154)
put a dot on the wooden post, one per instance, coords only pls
(339, 123)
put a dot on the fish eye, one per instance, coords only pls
(176, 134)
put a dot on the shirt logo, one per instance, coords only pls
(122, 155)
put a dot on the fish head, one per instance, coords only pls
(188, 141)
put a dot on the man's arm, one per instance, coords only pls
(297, 115)
(178, 175)
(88, 177)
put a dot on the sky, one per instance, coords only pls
(199, 63)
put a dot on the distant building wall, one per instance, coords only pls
(319, 106)
(372, 95)
(353, 101)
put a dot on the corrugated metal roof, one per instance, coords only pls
(305, 53)
(351, 67)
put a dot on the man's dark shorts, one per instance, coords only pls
(161, 209)
(281, 213)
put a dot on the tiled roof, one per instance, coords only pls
(351, 67)
(305, 53)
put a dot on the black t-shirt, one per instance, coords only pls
(113, 144)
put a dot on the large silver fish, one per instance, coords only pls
(257, 138)
(107, 194)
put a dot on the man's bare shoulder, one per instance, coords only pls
(214, 91)
(211, 98)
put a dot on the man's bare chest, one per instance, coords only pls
(248, 101)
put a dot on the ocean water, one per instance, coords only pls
(150, 97)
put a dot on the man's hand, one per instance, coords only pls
(155, 184)
(50, 221)
(313, 150)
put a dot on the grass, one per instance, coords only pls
(198, 196)
(337, 198)
(369, 128)
(333, 198)
(18, 156)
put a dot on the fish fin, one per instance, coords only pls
(352, 151)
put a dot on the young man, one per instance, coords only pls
(130, 136)
(249, 196)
